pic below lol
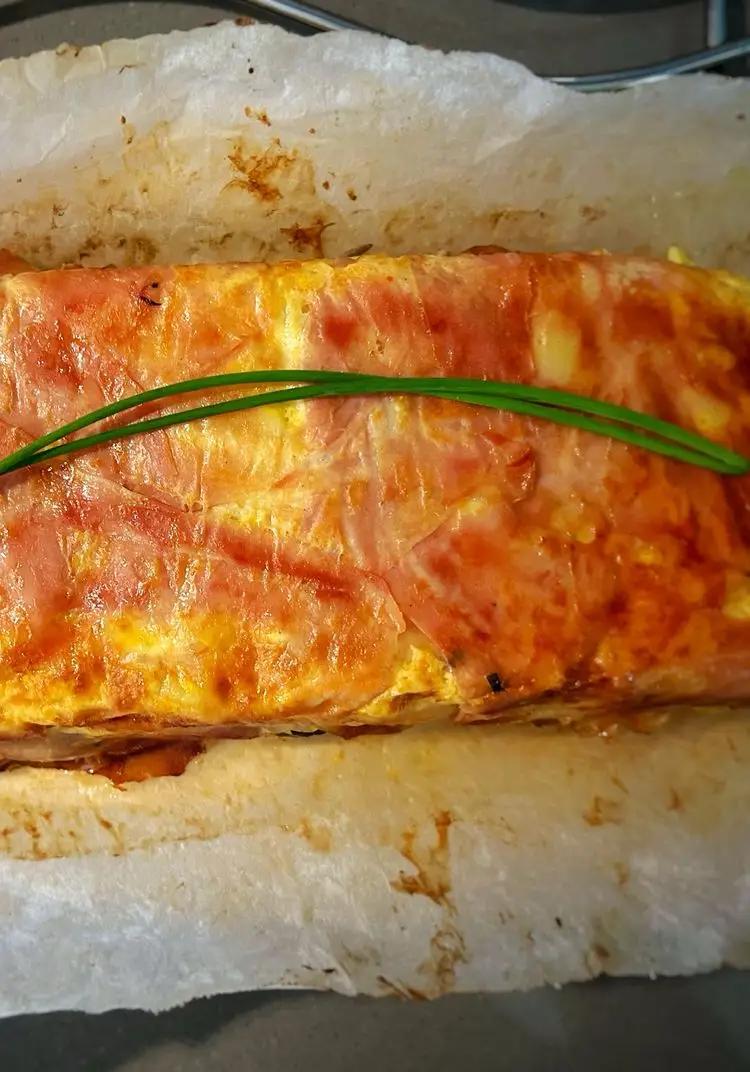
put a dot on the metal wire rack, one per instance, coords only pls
(719, 48)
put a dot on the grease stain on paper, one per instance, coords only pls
(432, 879)
(602, 811)
(261, 173)
(307, 239)
(317, 835)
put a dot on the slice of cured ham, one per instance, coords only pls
(370, 561)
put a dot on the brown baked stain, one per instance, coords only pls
(222, 687)
(447, 951)
(257, 113)
(67, 49)
(516, 215)
(260, 173)
(407, 699)
(142, 250)
(307, 239)
(164, 761)
(595, 958)
(375, 730)
(618, 783)
(359, 251)
(142, 762)
(432, 878)
(139, 249)
(676, 802)
(10, 264)
(622, 873)
(737, 252)
(31, 827)
(400, 990)
(507, 832)
(351, 194)
(648, 722)
(602, 811)
(28, 835)
(482, 250)
(433, 881)
(592, 213)
(317, 836)
(610, 724)
(128, 130)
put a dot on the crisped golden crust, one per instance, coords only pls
(371, 561)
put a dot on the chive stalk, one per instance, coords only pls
(545, 403)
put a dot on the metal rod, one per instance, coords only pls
(308, 15)
(717, 22)
(695, 61)
(716, 13)
(303, 14)
(316, 19)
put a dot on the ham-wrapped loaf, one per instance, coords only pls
(369, 561)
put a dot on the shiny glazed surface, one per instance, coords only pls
(376, 561)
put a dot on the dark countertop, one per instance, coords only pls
(532, 31)
(608, 1026)
(612, 1025)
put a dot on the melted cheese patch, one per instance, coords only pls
(556, 342)
(709, 414)
(737, 600)
(422, 675)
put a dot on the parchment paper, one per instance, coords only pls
(436, 860)
(247, 142)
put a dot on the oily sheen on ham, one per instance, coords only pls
(378, 561)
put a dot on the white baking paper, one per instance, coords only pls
(248, 142)
(437, 860)
(426, 862)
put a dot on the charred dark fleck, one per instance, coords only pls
(496, 683)
(358, 251)
(148, 298)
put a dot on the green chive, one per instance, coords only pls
(562, 407)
